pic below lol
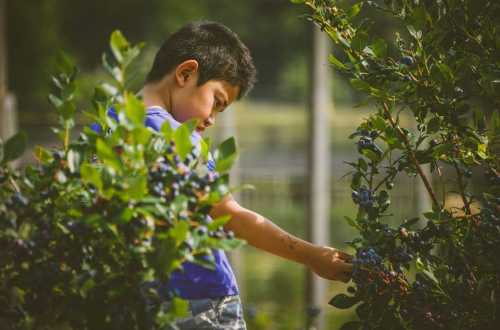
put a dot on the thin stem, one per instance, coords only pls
(14, 184)
(66, 137)
(412, 156)
(461, 187)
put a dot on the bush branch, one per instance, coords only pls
(412, 156)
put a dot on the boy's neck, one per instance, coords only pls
(156, 94)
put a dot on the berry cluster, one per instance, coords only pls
(363, 197)
(366, 142)
(371, 275)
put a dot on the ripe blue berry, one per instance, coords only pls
(407, 60)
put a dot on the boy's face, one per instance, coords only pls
(202, 102)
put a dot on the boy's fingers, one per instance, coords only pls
(345, 256)
(342, 255)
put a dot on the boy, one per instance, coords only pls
(197, 73)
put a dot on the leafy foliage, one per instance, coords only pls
(86, 232)
(438, 270)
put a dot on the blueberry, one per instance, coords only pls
(20, 199)
(365, 198)
(57, 155)
(202, 230)
(459, 91)
(355, 196)
(366, 142)
(3, 176)
(433, 142)
(163, 168)
(183, 216)
(407, 60)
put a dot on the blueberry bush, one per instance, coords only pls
(434, 87)
(88, 231)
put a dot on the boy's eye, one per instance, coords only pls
(218, 104)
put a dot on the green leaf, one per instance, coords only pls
(42, 154)
(446, 71)
(360, 85)
(229, 244)
(91, 175)
(352, 222)
(179, 204)
(167, 130)
(107, 155)
(67, 110)
(343, 301)
(433, 125)
(333, 60)
(225, 155)
(74, 159)
(360, 40)
(218, 222)
(354, 10)
(379, 48)
(191, 124)
(65, 64)
(1, 150)
(182, 138)
(205, 148)
(410, 222)
(134, 109)
(442, 149)
(55, 101)
(419, 264)
(118, 45)
(14, 147)
(137, 186)
(179, 307)
(414, 33)
(179, 232)
(371, 155)
(379, 123)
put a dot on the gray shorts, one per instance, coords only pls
(219, 313)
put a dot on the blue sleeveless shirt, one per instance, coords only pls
(192, 281)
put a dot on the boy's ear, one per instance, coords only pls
(185, 71)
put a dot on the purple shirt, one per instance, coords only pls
(192, 281)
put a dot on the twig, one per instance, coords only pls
(461, 187)
(14, 184)
(412, 156)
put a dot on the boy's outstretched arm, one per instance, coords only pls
(261, 233)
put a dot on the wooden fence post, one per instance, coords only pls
(318, 213)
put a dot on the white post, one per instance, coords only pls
(318, 215)
(8, 118)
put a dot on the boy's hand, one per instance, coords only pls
(331, 264)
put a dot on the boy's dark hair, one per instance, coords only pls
(219, 51)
